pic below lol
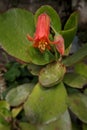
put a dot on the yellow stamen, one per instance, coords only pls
(42, 45)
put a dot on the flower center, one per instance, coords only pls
(42, 45)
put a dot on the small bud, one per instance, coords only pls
(59, 43)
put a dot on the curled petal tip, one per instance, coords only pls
(29, 37)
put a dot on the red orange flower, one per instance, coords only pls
(41, 36)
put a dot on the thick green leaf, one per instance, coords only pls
(63, 123)
(15, 24)
(81, 68)
(52, 74)
(27, 126)
(68, 36)
(72, 21)
(75, 80)
(78, 105)
(45, 105)
(39, 58)
(79, 55)
(18, 95)
(70, 29)
(55, 19)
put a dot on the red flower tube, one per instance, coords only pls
(41, 36)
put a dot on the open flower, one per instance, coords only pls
(41, 36)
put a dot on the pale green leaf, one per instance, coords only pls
(70, 29)
(18, 95)
(45, 105)
(27, 126)
(78, 105)
(63, 123)
(81, 68)
(79, 55)
(75, 80)
(52, 74)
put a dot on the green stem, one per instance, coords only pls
(56, 55)
(54, 30)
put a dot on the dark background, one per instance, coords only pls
(63, 7)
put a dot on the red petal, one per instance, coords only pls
(42, 27)
(59, 43)
(60, 48)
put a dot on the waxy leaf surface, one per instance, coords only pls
(45, 105)
(78, 56)
(18, 95)
(78, 105)
(81, 68)
(63, 123)
(70, 29)
(15, 24)
(75, 80)
(52, 74)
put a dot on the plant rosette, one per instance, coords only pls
(39, 42)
